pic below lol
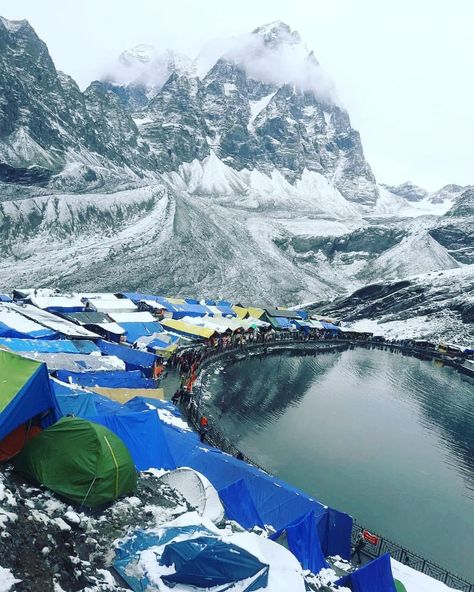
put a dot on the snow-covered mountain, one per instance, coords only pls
(235, 174)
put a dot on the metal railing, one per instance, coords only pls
(192, 409)
(411, 559)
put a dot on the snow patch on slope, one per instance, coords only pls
(415, 254)
(256, 107)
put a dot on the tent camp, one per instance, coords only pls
(25, 391)
(82, 461)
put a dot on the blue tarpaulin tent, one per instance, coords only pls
(127, 554)
(73, 401)
(107, 379)
(41, 333)
(50, 346)
(137, 297)
(190, 310)
(226, 310)
(5, 298)
(239, 505)
(206, 562)
(283, 322)
(24, 392)
(376, 576)
(329, 326)
(137, 426)
(134, 359)
(160, 344)
(303, 541)
(143, 435)
(137, 330)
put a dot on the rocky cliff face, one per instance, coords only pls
(47, 122)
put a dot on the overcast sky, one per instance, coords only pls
(403, 69)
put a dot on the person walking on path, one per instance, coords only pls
(359, 545)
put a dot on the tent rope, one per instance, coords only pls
(116, 467)
(89, 490)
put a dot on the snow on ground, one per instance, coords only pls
(415, 581)
(7, 580)
(441, 327)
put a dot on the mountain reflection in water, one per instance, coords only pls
(385, 437)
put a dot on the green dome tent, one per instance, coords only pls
(82, 461)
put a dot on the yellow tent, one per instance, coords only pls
(122, 395)
(187, 329)
(254, 312)
(241, 312)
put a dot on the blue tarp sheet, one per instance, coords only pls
(136, 330)
(283, 322)
(41, 333)
(73, 401)
(136, 297)
(134, 359)
(65, 309)
(128, 552)
(303, 541)
(303, 314)
(206, 562)
(34, 397)
(159, 344)
(5, 298)
(335, 530)
(329, 326)
(143, 435)
(239, 505)
(49, 346)
(226, 310)
(190, 310)
(376, 576)
(107, 379)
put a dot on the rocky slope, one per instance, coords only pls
(437, 306)
(237, 174)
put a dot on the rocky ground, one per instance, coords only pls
(51, 547)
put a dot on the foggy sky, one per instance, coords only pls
(404, 70)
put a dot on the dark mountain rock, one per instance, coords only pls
(408, 190)
(463, 205)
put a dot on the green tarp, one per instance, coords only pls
(80, 460)
(15, 371)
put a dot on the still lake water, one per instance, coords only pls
(385, 437)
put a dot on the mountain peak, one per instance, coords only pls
(140, 54)
(14, 26)
(278, 33)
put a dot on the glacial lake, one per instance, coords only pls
(385, 437)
